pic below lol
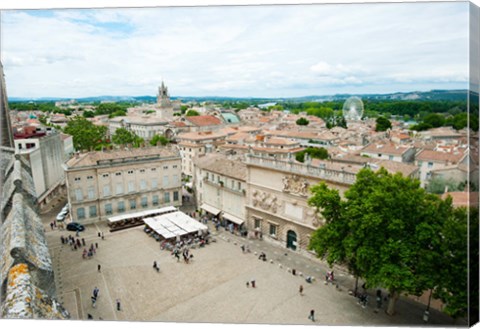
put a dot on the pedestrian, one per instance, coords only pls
(243, 248)
(75, 247)
(96, 245)
(83, 242)
(78, 243)
(99, 267)
(77, 233)
(118, 304)
(54, 223)
(300, 290)
(62, 239)
(312, 315)
(95, 292)
(248, 284)
(89, 316)
(253, 283)
(99, 234)
(51, 225)
(94, 301)
(103, 237)
(154, 264)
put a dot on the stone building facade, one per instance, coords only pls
(104, 184)
(220, 183)
(278, 192)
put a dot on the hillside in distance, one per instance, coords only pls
(433, 95)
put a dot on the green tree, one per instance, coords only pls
(388, 245)
(123, 136)
(383, 124)
(159, 139)
(314, 152)
(192, 113)
(454, 288)
(302, 122)
(86, 136)
(88, 114)
(434, 119)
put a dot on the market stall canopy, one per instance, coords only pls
(208, 208)
(174, 224)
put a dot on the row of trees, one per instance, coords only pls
(393, 234)
(89, 137)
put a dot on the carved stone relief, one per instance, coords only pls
(265, 201)
(295, 185)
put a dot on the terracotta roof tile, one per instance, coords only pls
(204, 120)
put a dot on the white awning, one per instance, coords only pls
(214, 211)
(174, 224)
(233, 219)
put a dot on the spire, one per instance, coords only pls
(6, 126)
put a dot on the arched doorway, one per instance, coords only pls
(292, 240)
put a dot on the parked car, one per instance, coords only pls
(61, 216)
(75, 227)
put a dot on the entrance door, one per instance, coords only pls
(292, 240)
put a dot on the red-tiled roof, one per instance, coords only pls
(204, 120)
(430, 155)
(463, 199)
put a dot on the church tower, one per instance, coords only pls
(6, 126)
(163, 99)
(164, 105)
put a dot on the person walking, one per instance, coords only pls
(83, 242)
(300, 290)
(99, 267)
(95, 292)
(51, 225)
(253, 283)
(312, 315)
(118, 304)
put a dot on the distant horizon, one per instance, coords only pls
(45, 98)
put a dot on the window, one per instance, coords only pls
(133, 204)
(91, 192)
(78, 194)
(142, 171)
(379, 155)
(105, 175)
(130, 172)
(167, 197)
(233, 184)
(121, 206)
(154, 183)
(89, 177)
(175, 179)
(77, 179)
(144, 202)
(106, 190)
(175, 166)
(131, 186)
(119, 189)
(257, 223)
(108, 209)
(390, 157)
(80, 213)
(93, 211)
(165, 181)
(154, 169)
(175, 196)
(239, 185)
(273, 230)
(165, 167)
(155, 200)
(430, 165)
(118, 174)
(143, 184)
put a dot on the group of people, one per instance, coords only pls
(187, 256)
(91, 251)
(74, 243)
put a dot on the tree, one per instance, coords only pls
(302, 122)
(192, 113)
(314, 152)
(88, 114)
(387, 229)
(86, 136)
(159, 139)
(434, 119)
(123, 136)
(383, 124)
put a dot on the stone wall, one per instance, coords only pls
(26, 274)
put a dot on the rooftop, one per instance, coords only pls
(220, 164)
(94, 158)
(204, 120)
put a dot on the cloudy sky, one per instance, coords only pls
(246, 51)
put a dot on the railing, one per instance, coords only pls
(303, 169)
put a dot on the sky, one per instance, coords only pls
(236, 51)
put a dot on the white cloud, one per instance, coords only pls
(236, 51)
